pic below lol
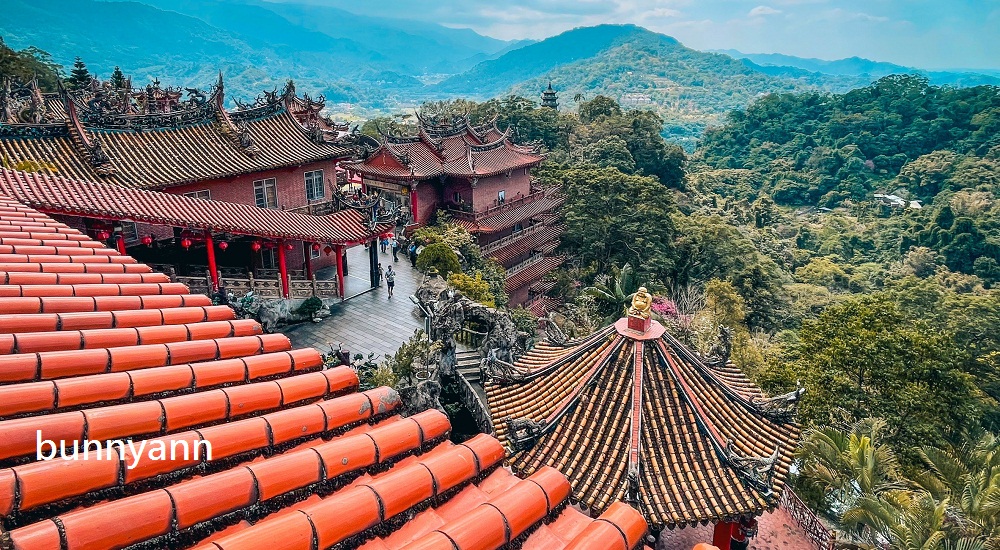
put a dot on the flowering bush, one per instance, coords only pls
(664, 307)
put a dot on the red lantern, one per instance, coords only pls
(186, 243)
(103, 235)
(223, 245)
(255, 246)
(147, 240)
(328, 250)
(288, 246)
(315, 247)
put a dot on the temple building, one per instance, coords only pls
(135, 414)
(277, 152)
(483, 181)
(630, 413)
(549, 98)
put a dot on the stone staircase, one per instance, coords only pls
(468, 366)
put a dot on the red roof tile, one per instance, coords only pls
(687, 443)
(458, 151)
(299, 459)
(60, 195)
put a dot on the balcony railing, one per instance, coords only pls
(320, 208)
(535, 258)
(504, 241)
(822, 537)
(504, 207)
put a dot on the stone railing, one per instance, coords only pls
(822, 537)
(475, 405)
(273, 273)
(263, 288)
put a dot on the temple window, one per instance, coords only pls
(265, 193)
(204, 194)
(314, 185)
(501, 196)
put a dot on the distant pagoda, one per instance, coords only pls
(549, 98)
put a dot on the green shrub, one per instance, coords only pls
(310, 307)
(440, 256)
(475, 288)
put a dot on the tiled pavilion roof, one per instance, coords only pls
(638, 417)
(101, 348)
(456, 149)
(159, 150)
(59, 195)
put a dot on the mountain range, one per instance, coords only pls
(860, 69)
(365, 63)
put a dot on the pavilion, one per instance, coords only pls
(101, 204)
(630, 413)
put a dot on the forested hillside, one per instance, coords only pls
(887, 316)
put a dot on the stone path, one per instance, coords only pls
(370, 322)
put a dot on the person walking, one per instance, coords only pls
(384, 244)
(394, 244)
(413, 255)
(381, 273)
(390, 280)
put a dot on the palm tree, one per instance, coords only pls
(969, 479)
(850, 465)
(905, 520)
(611, 292)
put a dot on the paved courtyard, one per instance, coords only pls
(369, 322)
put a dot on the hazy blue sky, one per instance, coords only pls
(923, 33)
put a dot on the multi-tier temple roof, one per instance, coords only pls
(634, 415)
(96, 347)
(452, 148)
(63, 196)
(159, 137)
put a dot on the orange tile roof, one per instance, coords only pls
(60, 195)
(533, 272)
(643, 419)
(458, 151)
(165, 157)
(300, 458)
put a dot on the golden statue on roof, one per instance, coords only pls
(642, 301)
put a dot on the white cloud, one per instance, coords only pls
(660, 13)
(761, 11)
(838, 14)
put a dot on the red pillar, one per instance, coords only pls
(213, 268)
(413, 202)
(340, 270)
(309, 263)
(283, 269)
(120, 242)
(723, 535)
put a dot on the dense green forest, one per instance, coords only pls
(886, 314)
